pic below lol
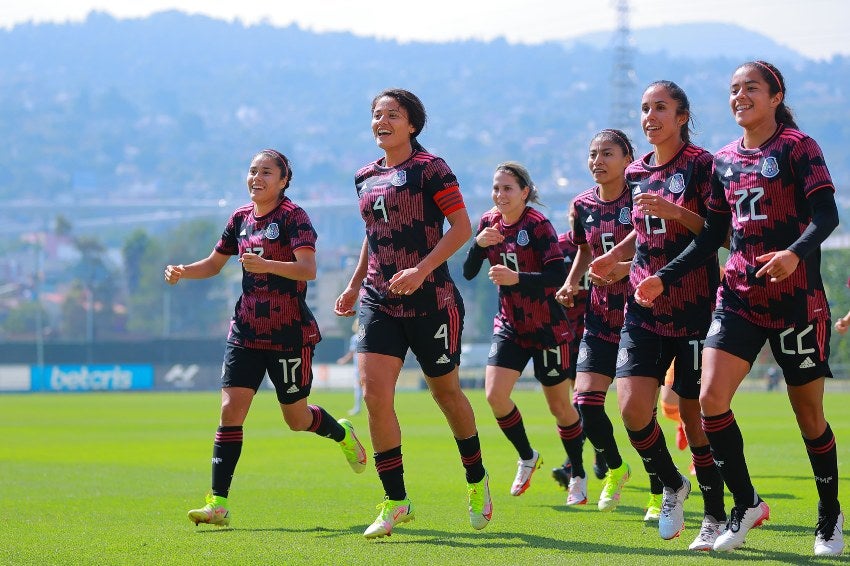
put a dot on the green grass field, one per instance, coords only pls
(107, 479)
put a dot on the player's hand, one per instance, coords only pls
(407, 281)
(173, 273)
(503, 275)
(566, 294)
(344, 305)
(841, 326)
(778, 265)
(254, 263)
(600, 269)
(489, 236)
(657, 206)
(648, 290)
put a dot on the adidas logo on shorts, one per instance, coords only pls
(292, 389)
(807, 363)
(444, 359)
(553, 373)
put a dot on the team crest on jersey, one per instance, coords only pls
(399, 178)
(272, 231)
(625, 215)
(714, 328)
(582, 355)
(522, 238)
(770, 167)
(676, 184)
(493, 350)
(622, 357)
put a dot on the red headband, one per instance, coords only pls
(775, 76)
(280, 156)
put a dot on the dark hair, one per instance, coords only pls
(282, 162)
(618, 137)
(677, 94)
(415, 111)
(522, 175)
(776, 84)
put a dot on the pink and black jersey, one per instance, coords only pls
(528, 313)
(684, 309)
(404, 208)
(766, 190)
(602, 225)
(272, 312)
(575, 315)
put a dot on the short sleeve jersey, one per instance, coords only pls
(684, 309)
(602, 225)
(272, 312)
(766, 191)
(404, 208)
(528, 314)
(575, 315)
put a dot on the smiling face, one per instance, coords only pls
(508, 196)
(750, 98)
(265, 182)
(607, 162)
(390, 124)
(660, 117)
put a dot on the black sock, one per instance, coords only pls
(391, 471)
(710, 482)
(598, 427)
(325, 425)
(226, 450)
(727, 448)
(823, 456)
(572, 438)
(511, 425)
(470, 457)
(649, 443)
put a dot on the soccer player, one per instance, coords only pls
(601, 218)
(670, 187)
(774, 188)
(272, 330)
(527, 264)
(408, 299)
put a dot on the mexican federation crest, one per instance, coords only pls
(676, 184)
(625, 215)
(399, 178)
(272, 231)
(770, 167)
(522, 238)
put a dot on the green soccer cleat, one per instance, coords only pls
(215, 512)
(480, 503)
(391, 513)
(653, 508)
(615, 479)
(351, 447)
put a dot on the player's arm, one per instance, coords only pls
(302, 269)
(201, 269)
(603, 265)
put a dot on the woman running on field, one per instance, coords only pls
(773, 185)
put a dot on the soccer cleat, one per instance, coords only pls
(741, 520)
(672, 519)
(525, 469)
(681, 439)
(480, 503)
(709, 531)
(215, 512)
(829, 538)
(653, 507)
(615, 479)
(391, 514)
(351, 447)
(577, 492)
(600, 467)
(562, 475)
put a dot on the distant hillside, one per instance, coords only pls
(162, 114)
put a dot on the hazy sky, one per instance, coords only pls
(820, 31)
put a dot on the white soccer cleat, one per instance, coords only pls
(709, 531)
(741, 520)
(672, 519)
(829, 538)
(577, 491)
(525, 469)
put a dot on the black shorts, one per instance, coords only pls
(644, 353)
(551, 365)
(802, 351)
(596, 355)
(291, 372)
(434, 339)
